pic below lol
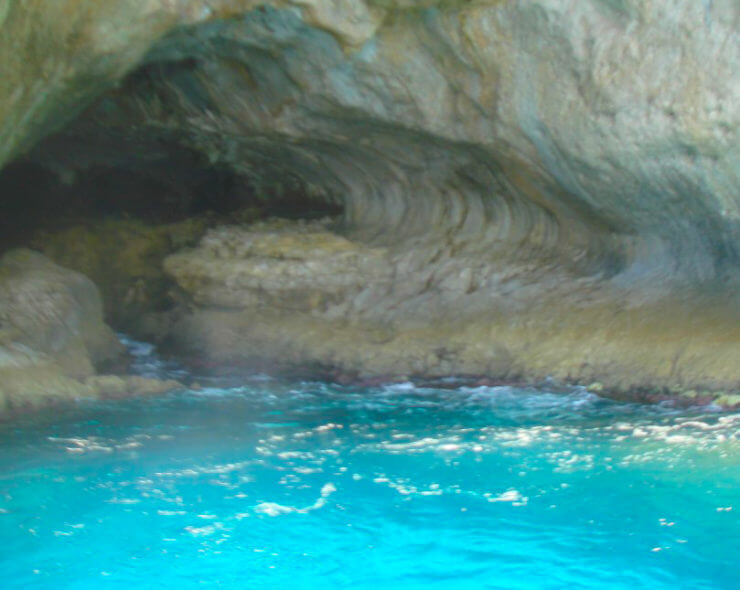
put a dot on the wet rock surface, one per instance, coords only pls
(526, 188)
(275, 297)
(53, 338)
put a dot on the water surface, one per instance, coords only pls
(311, 485)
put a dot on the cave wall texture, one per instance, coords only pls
(529, 189)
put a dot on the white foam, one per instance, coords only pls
(511, 495)
(275, 509)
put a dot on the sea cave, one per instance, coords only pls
(462, 266)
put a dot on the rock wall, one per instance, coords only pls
(528, 188)
(53, 340)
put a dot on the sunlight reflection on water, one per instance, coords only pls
(309, 485)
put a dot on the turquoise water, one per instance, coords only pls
(309, 485)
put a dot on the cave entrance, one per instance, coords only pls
(114, 213)
(42, 198)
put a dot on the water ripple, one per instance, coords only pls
(305, 485)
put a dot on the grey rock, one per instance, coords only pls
(552, 184)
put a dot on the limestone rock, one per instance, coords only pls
(53, 312)
(53, 338)
(542, 187)
(116, 386)
(52, 334)
(293, 265)
(123, 257)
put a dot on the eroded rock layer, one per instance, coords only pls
(53, 338)
(527, 188)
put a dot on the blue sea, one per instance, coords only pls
(267, 484)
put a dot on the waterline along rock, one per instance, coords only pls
(517, 190)
(53, 338)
